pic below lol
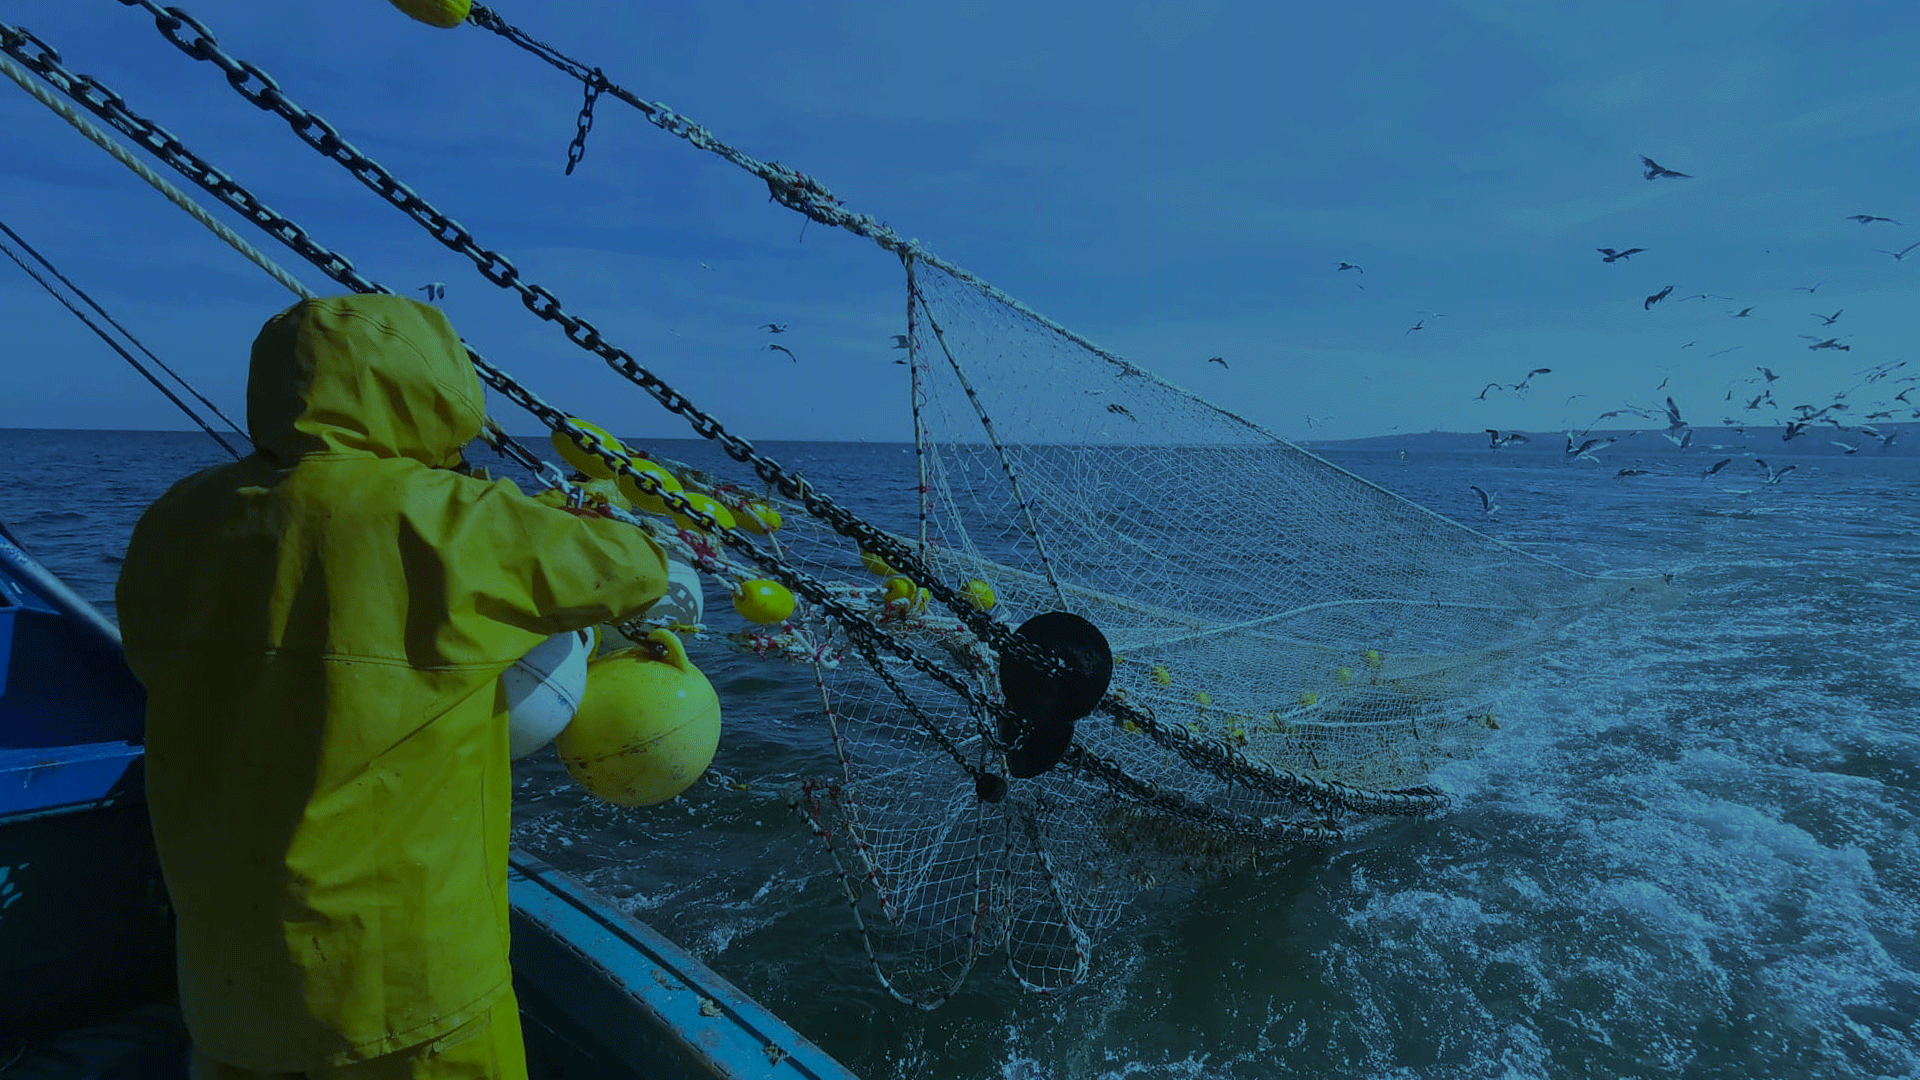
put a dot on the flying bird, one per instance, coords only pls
(1484, 389)
(1851, 448)
(1217, 360)
(786, 350)
(774, 327)
(1808, 288)
(1742, 313)
(435, 290)
(1655, 170)
(1611, 255)
(1830, 343)
(1495, 440)
(1624, 473)
(1866, 218)
(1902, 253)
(1116, 407)
(1827, 320)
(1773, 475)
(1656, 298)
(899, 341)
(1716, 467)
(1522, 384)
(1768, 372)
(1347, 266)
(1421, 325)
(1487, 505)
(1586, 448)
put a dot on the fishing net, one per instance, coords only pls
(1295, 649)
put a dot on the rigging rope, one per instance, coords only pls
(128, 334)
(160, 183)
(104, 336)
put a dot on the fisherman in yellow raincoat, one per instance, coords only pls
(320, 628)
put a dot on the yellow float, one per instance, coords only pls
(644, 500)
(763, 601)
(980, 594)
(647, 726)
(444, 14)
(706, 505)
(580, 459)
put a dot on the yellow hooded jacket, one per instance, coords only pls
(320, 628)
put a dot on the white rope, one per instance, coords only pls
(180, 198)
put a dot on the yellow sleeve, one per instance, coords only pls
(553, 571)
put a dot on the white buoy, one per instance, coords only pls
(543, 690)
(683, 604)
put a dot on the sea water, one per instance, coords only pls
(1691, 849)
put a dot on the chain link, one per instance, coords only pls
(792, 189)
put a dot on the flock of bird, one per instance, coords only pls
(1583, 446)
(1838, 412)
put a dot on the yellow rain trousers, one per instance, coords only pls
(320, 628)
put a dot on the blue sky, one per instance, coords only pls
(1174, 181)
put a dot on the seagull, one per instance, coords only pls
(1742, 313)
(1768, 372)
(1758, 398)
(1421, 325)
(1483, 390)
(1716, 467)
(1808, 288)
(1586, 448)
(1655, 170)
(1116, 407)
(1902, 253)
(1495, 440)
(1851, 448)
(1347, 266)
(1830, 343)
(1827, 320)
(704, 266)
(1867, 218)
(899, 341)
(1624, 473)
(1487, 505)
(1794, 427)
(774, 327)
(1611, 254)
(435, 290)
(1773, 476)
(1656, 298)
(1522, 384)
(786, 350)
(1216, 360)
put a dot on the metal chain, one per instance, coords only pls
(260, 90)
(44, 61)
(578, 148)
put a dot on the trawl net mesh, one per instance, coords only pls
(1290, 642)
